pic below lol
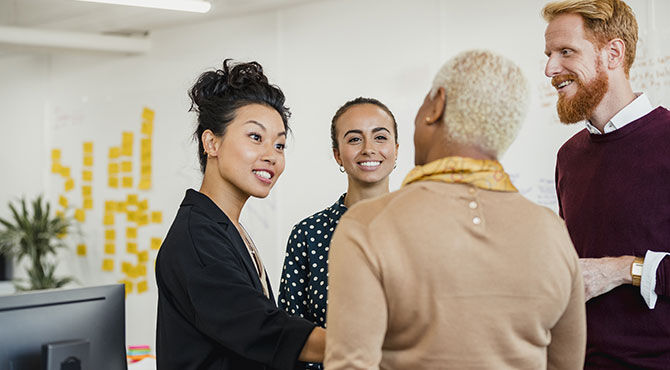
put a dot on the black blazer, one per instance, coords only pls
(212, 313)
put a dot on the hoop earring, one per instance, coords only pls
(341, 168)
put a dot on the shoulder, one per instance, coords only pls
(577, 141)
(370, 210)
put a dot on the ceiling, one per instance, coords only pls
(83, 18)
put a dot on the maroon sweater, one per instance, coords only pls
(614, 194)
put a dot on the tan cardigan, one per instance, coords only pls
(449, 276)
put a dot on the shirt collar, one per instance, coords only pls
(203, 202)
(337, 209)
(638, 108)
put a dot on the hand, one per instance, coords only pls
(604, 274)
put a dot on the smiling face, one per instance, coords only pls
(249, 157)
(575, 68)
(366, 143)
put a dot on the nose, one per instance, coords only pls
(369, 147)
(270, 155)
(553, 67)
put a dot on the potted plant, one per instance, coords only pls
(36, 236)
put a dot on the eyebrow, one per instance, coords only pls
(376, 129)
(262, 126)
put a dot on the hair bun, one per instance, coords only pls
(243, 74)
(214, 84)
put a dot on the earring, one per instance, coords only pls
(395, 165)
(342, 168)
(428, 119)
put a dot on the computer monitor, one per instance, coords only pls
(93, 315)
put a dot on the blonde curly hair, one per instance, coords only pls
(486, 100)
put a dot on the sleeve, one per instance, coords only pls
(568, 337)
(293, 288)
(355, 332)
(558, 193)
(232, 312)
(663, 277)
(653, 277)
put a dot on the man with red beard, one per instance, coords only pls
(613, 183)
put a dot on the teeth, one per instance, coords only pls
(371, 163)
(564, 84)
(263, 174)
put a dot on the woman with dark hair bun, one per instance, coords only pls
(215, 305)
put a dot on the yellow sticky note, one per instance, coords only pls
(110, 248)
(69, 184)
(79, 215)
(132, 199)
(126, 267)
(157, 217)
(121, 206)
(145, 184)
(88, 203)
(143, 256)
(142, 219)
(148, 114)
(126, 138)
(156, 243)
(114, 152)
(127, 150)
(143, 205)
(131, 216)
(126, 166)
(147, 128)
(140, 270)
(86, 190)
(129, 286)
(113, 168)
(110, 206)
(65, 171)
(62, 235)
(142, 286)
(60, 214)
(110, 234)
(108, 219)
(127, 182)
(62, 201)
(88, 160)
(56, 168)
(113, 182)
(55, 154)
(108, 264)
(81, 250)
(131, 232)
(87, 175)
(88, 147)
(131, 247)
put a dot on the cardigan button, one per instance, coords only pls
(476, 220)
(472, 205)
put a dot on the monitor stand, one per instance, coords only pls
(65, 355)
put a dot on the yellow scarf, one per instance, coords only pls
(482, 173)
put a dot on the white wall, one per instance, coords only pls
(321, 55)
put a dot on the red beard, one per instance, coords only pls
(583, 103)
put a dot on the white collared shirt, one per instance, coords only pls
(638, 108)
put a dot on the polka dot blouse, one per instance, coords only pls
(303, 290)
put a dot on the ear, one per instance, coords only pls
(336, 155)
(437, 105)
(396, 150)
(210, 143)
(615, 51)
